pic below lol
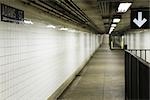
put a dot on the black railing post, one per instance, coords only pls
(145, 55)
(140, 53)
(126, 76)
(137, 75)
(138, 85)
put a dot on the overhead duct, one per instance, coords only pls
(115, 0)
(66, 9)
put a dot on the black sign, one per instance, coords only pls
(140, 18)
(10, 14)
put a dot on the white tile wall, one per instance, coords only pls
(36, 60)
(139, 39)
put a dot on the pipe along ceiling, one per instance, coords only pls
(67, 10)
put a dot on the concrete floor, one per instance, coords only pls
(101, 79)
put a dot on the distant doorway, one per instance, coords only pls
(116, 42)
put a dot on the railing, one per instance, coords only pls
(137, 76)
(142, 53)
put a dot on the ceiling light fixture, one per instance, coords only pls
(64, 29)
(28, 22)
(72, 30)
(123, 7)
(51, 26)
(113, 25)
(116, 20)
(111, 30)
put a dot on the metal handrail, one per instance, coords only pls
(137, 77)
(140, 51)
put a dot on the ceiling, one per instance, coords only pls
(90, 8)
(95, 15)
(101, 12)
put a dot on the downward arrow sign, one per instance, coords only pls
(139, 22)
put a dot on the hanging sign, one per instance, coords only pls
(140, 18)
(11, 14)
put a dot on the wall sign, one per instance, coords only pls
(11, 14)
(140, 18)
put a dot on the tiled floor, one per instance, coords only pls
(101, 79)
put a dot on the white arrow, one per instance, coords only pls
(139, 22)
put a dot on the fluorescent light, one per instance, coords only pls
(51, 26)
(28, 22)
(64, 29)
(111, 29)
(113, 25)
(116, 20)
(68, 29)
(123, 7)
(109, 32)
(72, 30)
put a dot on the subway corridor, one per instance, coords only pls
(101, 79)
(74, 50)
